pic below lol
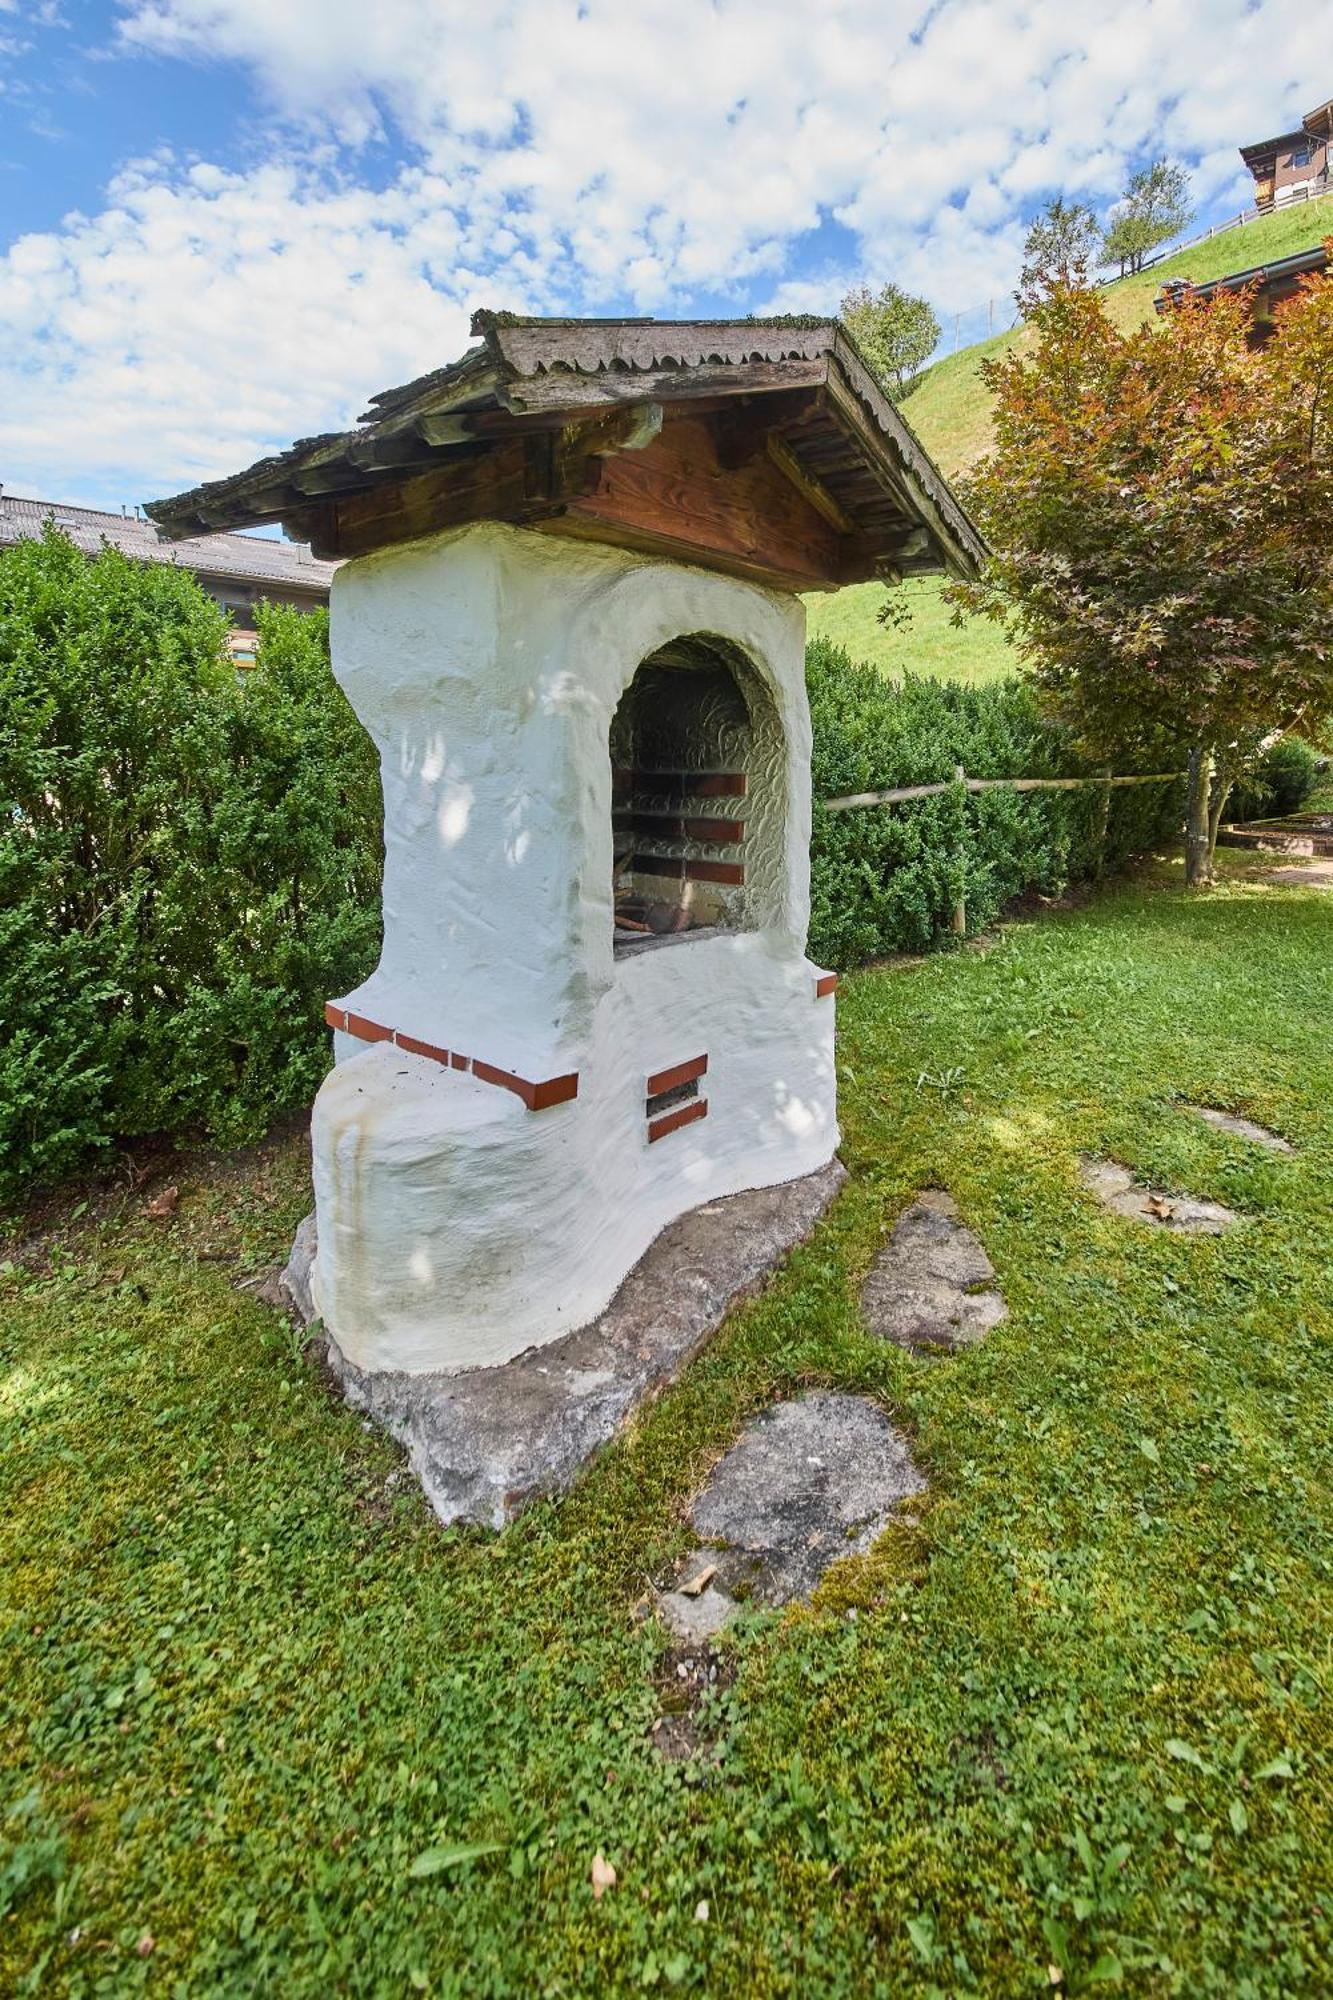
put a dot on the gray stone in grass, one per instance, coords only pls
(697, 1618)
(1316, 875)
(932, 1285)
(294, 1280)
(1242, 1128)
(805, 1484)
(1116, 1188)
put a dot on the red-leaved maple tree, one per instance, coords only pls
(1160, 510)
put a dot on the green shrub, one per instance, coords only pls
(189, 859)
(886, 878)
(1280, 783)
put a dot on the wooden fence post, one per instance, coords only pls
(960, 907)
(1103, 828)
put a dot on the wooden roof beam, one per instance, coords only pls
(931, 500)
(561, 389)
(817, 494)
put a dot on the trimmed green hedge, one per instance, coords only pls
(189, 859)
(1280, 783)
(886, 878)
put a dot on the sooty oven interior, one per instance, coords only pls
(681, 773)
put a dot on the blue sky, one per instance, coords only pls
(224, 223)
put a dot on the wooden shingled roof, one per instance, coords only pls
(765, 448)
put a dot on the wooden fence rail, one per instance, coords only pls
(900, 795)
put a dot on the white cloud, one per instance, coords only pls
(203, 317)
(580, 154)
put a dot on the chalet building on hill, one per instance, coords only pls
(237, 571)
(1296, 164)
(1269, 283)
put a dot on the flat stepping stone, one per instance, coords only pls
(807, 1483)
(932, 1285)
(1318, 875)
(1116, 1188)
(1242, 1128)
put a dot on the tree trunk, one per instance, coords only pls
(1198, 851)
(1216, 807)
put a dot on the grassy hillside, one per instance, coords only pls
(929, 645)
(950, 412)
(950, 408)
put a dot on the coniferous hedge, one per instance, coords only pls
(190, 857)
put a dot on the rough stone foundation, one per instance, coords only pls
(485, 1442)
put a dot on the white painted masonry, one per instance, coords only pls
(456, 1227)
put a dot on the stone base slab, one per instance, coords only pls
(485, 1442)
(1267, 840)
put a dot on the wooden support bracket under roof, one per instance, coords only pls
(766, 449)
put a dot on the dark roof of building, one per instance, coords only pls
(1314, 124)
(1262, 147)
(1282, 270)
(532, 373)
(251, 559)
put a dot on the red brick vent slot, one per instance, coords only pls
(672, 1097)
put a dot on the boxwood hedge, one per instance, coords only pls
(189, 859)
(887, 878)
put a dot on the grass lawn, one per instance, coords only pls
(930, 645)
(1079, 1720)
(950, 409)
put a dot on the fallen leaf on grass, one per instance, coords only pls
(603, 1876)
(921, 1930)
(435, 1860)
(163, 1205)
